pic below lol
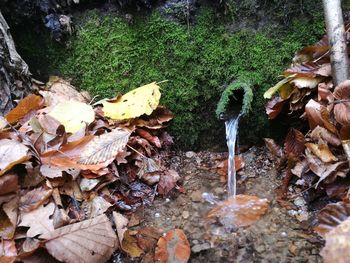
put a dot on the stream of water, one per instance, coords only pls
(231, 137)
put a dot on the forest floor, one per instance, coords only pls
(282, 235)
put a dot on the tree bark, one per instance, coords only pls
(15, 81)
(337, 40)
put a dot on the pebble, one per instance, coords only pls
(156, 215)
(196, 196)
(198, 248)
(185, 214)
(299, 201)
(260, 248)
(190, 154)
(219, 190)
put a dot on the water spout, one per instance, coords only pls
(231, 137)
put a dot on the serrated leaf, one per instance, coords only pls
(135, 103)
(89, 241)
(73, 115)
(104, 147)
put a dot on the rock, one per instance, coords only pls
(299, 201)
(198, 248)
(190, 154)
(260, 248)
(185, 214)
(196, 196)
(219, 190)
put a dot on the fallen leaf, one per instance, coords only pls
(129, 245)
(342, 113)
(274, 149)
(268, 94)
(135, 103)
(313, 113)
(121, 223)
(34, 198)
(8, 183)
(89, 241)
(331, 216)
(274, 107)
(239, 211)
(149, 137)
(8, 251)
(104, 147)
(26, 105)
(300, 168)
(167, 181)
(295, 144)
(11, 153)
(73, 115)
(320, 133)
(173, 247)
(322, 151)
(39, 220)
(95, 207)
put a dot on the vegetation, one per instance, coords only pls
(108, 56)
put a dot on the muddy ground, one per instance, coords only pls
(282, 235)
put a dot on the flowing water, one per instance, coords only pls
(231, 137)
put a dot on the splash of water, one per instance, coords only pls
(231, 137)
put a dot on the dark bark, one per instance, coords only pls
(15, 78)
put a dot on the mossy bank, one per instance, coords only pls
(108, 56)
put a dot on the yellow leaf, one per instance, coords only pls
(73, 115)
(135, 103)
(268, 94)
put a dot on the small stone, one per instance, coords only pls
(219, 190)
(196, 196)
(260, 249)
(195, 242)
(299, 201)
(185, 214)
(190, 154)
(156, 215)
(198, 248)
(173, 218)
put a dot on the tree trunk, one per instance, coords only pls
(337, 41)
(15, 81)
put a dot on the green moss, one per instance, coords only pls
(108, 56)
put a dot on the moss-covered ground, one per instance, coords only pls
(108, 56)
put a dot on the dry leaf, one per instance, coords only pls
(173, 247)
(89, 241)
(322, 151)
(295, 144)
(104, 147)
(274, 149)
(130, 246)
(239, 211)
(95, 207)
(39, 220)
(11, 153)
(167, 181)
(8, 251)
(320, 133)
(313, 113)
(274, 107)
(8, 183)
(121, 223)
(73, 115)
(34, 198)
(26, 105)
(135, 103)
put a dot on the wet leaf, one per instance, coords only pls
(34, 198)
(135, 103)
(167, 181)
(239, 211)
(90, 241)
(274, 149)
(73, 115)
(104, 147)
(331, 216)
(295, 144)
(337, 244)
(173, 247)
(322, 151)
(11, 153)
(26, 105)
(274, 107)
(39, 220)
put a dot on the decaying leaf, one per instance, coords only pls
(8, 183)
(104, 147)
(28, 104)
(95, 207)
(73, 115)
(39, 220)
(322, 151)
(167, 181)
(295, 144)
(135, 103)
(8, 218)
(130, 246)
(239, 211)
(269, 93)
(11, 153)
(331, 216)
(8, 251)
(121, 223)
(34, 198)
(173, 247)
(321, 134)
(90, 241)
(274, 107)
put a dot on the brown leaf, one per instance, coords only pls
(342, 113)
(29, 103)
(294, 145)
(274, 149)
(8, 219)
(167, 182)
(313, 113)
(324, 93)
(8, 184)
(274, 107)
(90, 241)
(322, 151)
(34, 198)
(121, 223)
(173, 247)
(129, 245)
(321, 134)
(8, 251)
(147, 238)
(105, 147)
(11, 153)
(223, 167)
(337, 244)
(331, 216)
(39, 220)
(342, 91)
(40, 256)
(239, 211)
(149, 137)
(300, 168)
(95, 207)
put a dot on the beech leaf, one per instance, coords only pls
(89, 241)
(34, 198)
(135, 103)
(104, 147)
(322, 151)
(29, 103)
(295, 144)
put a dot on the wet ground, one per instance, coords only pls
(282, 235)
